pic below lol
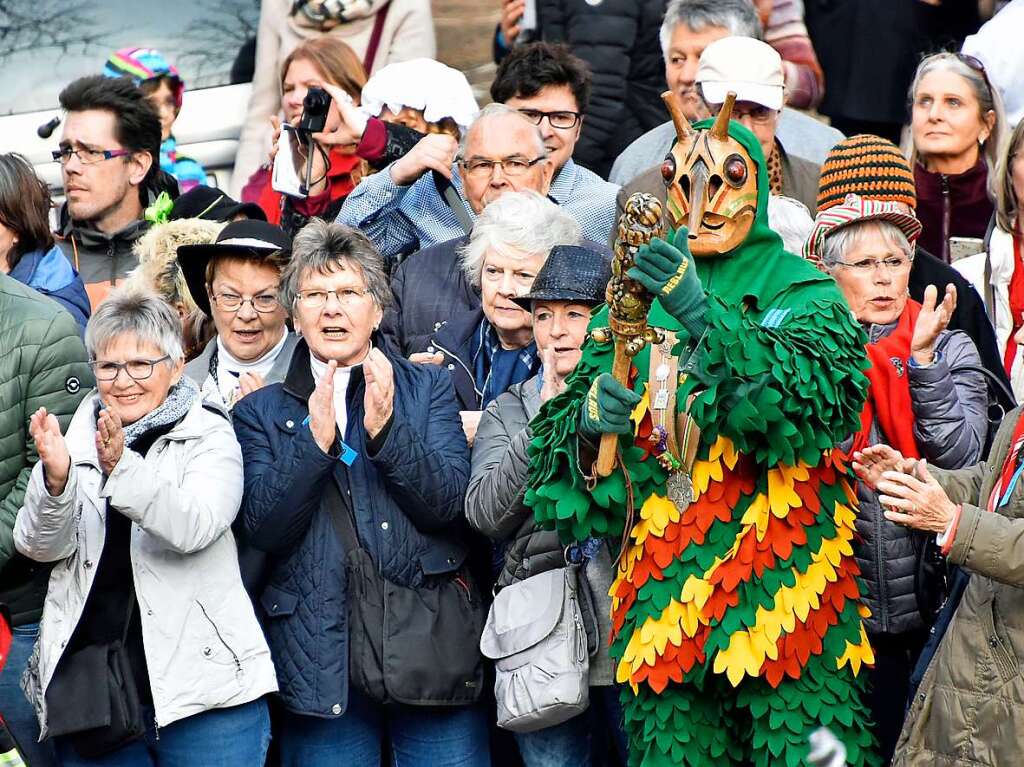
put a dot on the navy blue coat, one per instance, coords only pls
(407, 498)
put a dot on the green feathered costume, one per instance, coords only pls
(737, 621)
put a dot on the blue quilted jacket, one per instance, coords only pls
(407, 498)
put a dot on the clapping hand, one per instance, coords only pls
(931, 322)
(52, 449)
(109, 439)
(249, 382)
(379, 398)
(322, 419)
(870, 463)
(916, 501)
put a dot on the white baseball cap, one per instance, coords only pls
(749, 68)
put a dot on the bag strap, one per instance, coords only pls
(375, 35)
(340, 512)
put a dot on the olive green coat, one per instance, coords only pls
(969, 709)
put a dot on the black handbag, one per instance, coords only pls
(418, 646)
(93, 700)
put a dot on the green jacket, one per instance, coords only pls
(42, 364)
(969, 709)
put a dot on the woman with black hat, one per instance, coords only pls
(571, 282)
(234, 281)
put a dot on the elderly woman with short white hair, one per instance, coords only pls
(489, 349)
(149, 651)
(926, 397)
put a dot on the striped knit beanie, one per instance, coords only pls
(869, 166)
(142, 64)
(853, 210)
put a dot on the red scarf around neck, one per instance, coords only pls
(889, 388)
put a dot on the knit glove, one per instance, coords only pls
(607, 408)
(668, 271)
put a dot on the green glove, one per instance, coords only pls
(608, 407)
(669, 272)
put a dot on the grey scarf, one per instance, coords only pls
(179, 400)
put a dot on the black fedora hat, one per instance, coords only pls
(571, 273)
(213, 205)
(254, 240)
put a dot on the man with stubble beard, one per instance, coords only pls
(108, 155)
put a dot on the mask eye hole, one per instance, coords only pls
(735, 170)
(668, 169)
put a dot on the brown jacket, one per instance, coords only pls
(969, 709)
(799, 181)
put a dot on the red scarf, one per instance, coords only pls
(889, 388)
(1016, 291)
(1009, 465)
(343, 175)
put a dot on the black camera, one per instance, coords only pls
(315, 107)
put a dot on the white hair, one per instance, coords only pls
(738, 16)
(136, 312)
(842, 240)
(520, 224)
(791, 221)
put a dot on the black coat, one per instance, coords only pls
(619, 40)
(869, 50)
(427, 288)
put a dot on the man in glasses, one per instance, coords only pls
(108, 155)
(426, 197)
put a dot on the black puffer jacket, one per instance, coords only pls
(950, 422)
(619, 40)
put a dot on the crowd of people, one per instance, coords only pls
(308, 471)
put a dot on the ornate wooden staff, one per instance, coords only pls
(628, 303)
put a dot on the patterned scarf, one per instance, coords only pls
(179, 399)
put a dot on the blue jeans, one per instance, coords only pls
(582, 741)
(14, 706)
(418, 737)
(221, 737)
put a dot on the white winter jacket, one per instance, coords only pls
(204, 648)
(997, 292)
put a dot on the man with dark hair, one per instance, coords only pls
(618, 39)
(109, 157)
(406, 207)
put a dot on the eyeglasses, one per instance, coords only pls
(316, 299)
(869, 265)
(87, 156)
(560, 120)
(759, 115)
(137, 370)
(232, 302)
(510, 166)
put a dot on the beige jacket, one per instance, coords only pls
(204, 647)
(408, 34)
(969, 709)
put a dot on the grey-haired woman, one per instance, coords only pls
(358, 446)
(136, 502)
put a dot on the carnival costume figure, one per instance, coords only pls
(736, 614)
